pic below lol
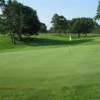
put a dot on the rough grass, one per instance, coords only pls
(70, 72)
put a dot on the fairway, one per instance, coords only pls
(65, 73)
(47, 52)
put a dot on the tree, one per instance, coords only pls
(2, 4)
(3, 26)
(31, 21)
(20, 19)
(59, 23)
(11, 14)
(43, 28)
(97, 17)
(82, 25)
(55, 21)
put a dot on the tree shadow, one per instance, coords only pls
(76, 42)
(49, 42)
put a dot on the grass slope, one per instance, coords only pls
(46, 41)
(67, 73)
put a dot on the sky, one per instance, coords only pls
(68, 8)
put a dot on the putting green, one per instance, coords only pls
(70, 68)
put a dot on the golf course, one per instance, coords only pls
(49, 49)
(50, 68)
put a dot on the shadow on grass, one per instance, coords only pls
(76, 42)
(49, 42)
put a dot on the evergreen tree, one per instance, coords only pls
(97, 17)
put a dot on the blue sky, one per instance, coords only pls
(68, 8)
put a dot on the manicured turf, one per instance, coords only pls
(65, 73)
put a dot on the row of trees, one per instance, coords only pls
(18, 19)
(77, 25)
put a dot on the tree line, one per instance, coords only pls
(17, 20)
(79, 26)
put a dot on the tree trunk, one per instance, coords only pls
(85, 34)
(13, 38)
(78, 35)
(59, 33)
(20, 36)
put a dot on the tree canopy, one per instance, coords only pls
(97, 17)
(19, 19)
(43, 28)
(82, 25)
(59, 23)
(77, 25)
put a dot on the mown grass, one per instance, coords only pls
(87, 92)
(48, 71)
(44, 41)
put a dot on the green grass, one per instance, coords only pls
(52, 70)
(44, 41)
